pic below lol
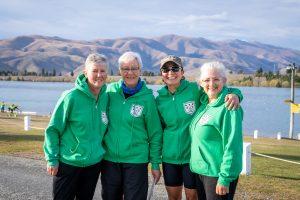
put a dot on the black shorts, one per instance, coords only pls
(178, 174)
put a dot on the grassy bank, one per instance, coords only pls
(270, 179)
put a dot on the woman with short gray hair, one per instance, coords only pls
(134, 135)
(73, 139)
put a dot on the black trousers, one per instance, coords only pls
(206, 189)
(126, 180)
(75, 182)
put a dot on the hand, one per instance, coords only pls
(52, 170)
(232, 101)
(156, 175)
(222, 190)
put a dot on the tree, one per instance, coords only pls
(240, 71)
(111, 72)
(43, 72)
(259, 72)
(72, 73)
(54, 72)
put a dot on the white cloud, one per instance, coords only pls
(274, 21)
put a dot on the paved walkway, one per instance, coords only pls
(23, 178)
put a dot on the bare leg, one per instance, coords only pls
(174, 193)
(191, 194)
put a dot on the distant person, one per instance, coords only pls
(177, 103)
(216, 133)
(134, 135)
(12, 108)
(73, 139)
(2, 106)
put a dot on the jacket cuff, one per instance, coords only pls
(223, 182)
(52, 163)
(155, 166)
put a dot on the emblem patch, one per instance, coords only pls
(104, 118)
(189, 107)
(136, 110)
(204, 119)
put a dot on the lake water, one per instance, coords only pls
(264, 108)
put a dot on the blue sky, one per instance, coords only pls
(275, 22)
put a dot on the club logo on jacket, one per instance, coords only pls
(104, 118)
(204, 119)
(189, 107)
(136, 110)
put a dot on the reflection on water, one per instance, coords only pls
(264, 108)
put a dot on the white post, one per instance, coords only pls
(27, 123)
(279, 136)
(298, 136)
(255, 134)
(246, 158)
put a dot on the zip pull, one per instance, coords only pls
(173, 98)
(124, 102)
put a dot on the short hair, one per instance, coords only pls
(130, 56)
(95, 58)
(216, 66)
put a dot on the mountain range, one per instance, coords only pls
(36, 53)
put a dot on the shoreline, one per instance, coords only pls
(236, 80)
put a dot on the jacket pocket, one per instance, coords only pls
(199, 165)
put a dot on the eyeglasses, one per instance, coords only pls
(173, 69)
(214, 80)
(133, 69)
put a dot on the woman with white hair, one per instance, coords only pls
(73, 139)
(134, 135)
(216, 134)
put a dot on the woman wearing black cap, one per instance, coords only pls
(177, 102)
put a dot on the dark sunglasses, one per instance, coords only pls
(173, 69)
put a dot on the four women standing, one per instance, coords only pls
(134, 136)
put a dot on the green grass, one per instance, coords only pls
(270, 179)
(15, 141)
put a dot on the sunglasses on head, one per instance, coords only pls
(173, 69)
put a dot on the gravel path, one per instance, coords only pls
(24, 178)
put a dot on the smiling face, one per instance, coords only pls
(212, 83)
(171, 74)
(96, 76)
(130, 72)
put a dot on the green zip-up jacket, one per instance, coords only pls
(217, 141)
(77, 126)
(176, 112)
(134, 133)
